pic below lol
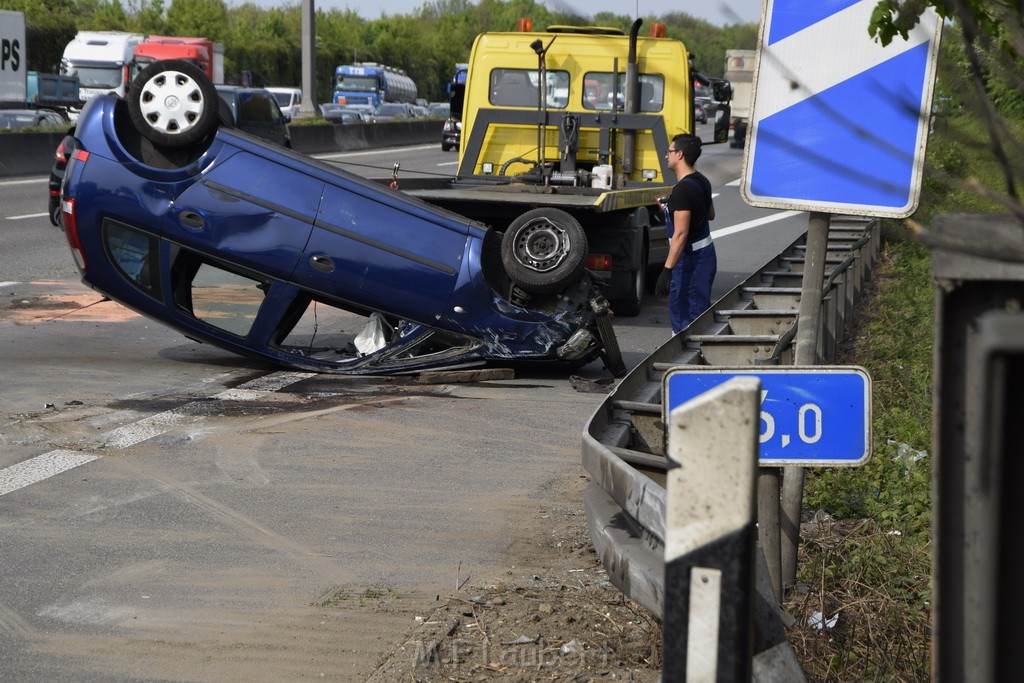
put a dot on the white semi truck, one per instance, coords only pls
(739, 71)
(102, 61)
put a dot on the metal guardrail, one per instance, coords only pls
(754, 324)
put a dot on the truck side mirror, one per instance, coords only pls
(722, 90)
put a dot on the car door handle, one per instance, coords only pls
(322, 263)
(192, 219)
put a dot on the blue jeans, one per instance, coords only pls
(689, 295)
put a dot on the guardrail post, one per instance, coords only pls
(978, 265)
(710, 534)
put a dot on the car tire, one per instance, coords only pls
(172, 103)
(55, 216)
(446, 147)
(544, 250)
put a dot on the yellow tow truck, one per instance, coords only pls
(564, 133)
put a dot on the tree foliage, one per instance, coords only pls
(265, 43)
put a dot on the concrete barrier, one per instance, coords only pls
(320, 139)
(23, 154)
(31, 153)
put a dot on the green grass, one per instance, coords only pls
(870, 559)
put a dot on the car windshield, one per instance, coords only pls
(391, 110)
(98, 77)
(357, 83)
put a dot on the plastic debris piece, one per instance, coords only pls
(372, 337)
(573, 647)
(816, 621)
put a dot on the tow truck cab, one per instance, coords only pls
(593, 81)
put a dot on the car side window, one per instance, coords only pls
(254, 108)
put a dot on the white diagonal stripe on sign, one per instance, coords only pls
(843, 54)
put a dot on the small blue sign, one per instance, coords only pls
(810, 415)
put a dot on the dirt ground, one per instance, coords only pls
(552, 616)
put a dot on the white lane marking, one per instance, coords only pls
(40, 467)
(9, 284)
(740, 227)
(27, 215)
(44, 466)
(449, 163)
(29, 181)
(386, 150)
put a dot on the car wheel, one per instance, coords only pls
(173, 103)
(55, 215)
(445, 147)
(543, 250)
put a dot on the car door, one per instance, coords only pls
(250, 211)
(383, 252)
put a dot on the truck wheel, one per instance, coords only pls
(543, 250)
(173, 103)
(630, 307)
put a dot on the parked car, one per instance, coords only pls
(451, 134)
(253, 110)
(60, 162)
(15, 119)
(337, 113)
(700, 112)
(246, 245)
(289, 99)
(389, 111)
(441, 110)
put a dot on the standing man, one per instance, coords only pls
(692, 263)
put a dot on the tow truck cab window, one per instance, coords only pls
(518, 88)
(598, 86)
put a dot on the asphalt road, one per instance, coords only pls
(169, 511)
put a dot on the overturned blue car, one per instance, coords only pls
(236, 242)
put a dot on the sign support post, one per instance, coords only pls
(808, 328)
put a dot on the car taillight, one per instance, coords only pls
(70, 219)
(59, 155)
(599, 261)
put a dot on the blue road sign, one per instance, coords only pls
(811, 416)
(839, 122)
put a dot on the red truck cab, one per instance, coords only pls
(199, 51)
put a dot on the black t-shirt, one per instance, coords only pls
(693, 194)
